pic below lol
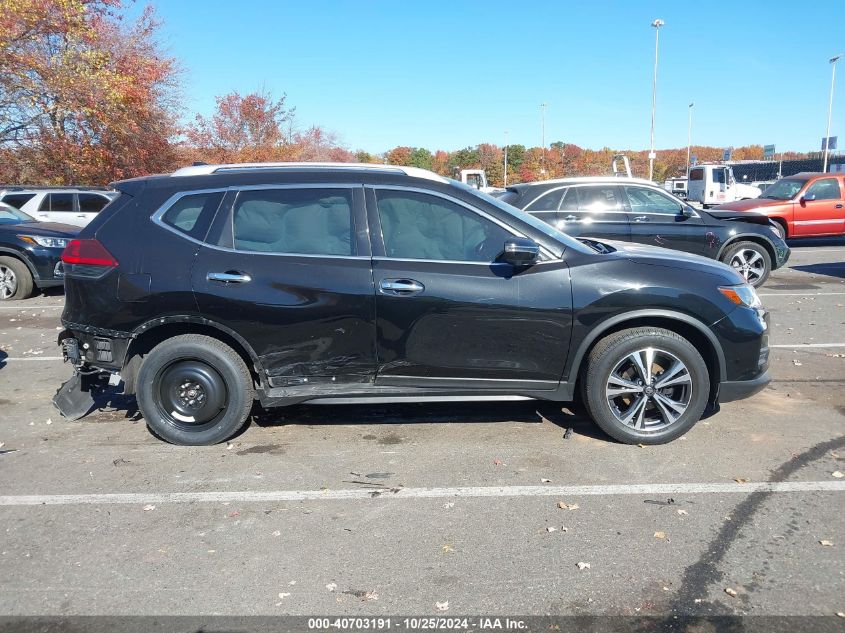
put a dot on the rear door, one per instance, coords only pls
(657, 219)
(449, 314)
(88, 206)
(288, 268)
(820, 209)
(594, 211)
(58, 207)
(545, 206)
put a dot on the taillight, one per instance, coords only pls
(87, 259)
(88, 253)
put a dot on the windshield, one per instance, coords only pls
(547, 229)
(10, 215)
(783, 189)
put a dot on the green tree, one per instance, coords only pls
(421, 157)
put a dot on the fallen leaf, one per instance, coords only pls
(641, 445)
(442, 606)
(731, 592)
(797, 362)
(449, 504)
(277, 533)
(149, 507)
(838, 474)
(233, 514)
(370, 595)
(284, 595)
(583, 566)
(660, 535)
(546, 481)
(292, 582)
(567, 506)
(447, 548)
(497, 462)
(826, 543)
(840, 614)
(49, 420)
(229, 446)
(551, 529)
(331, 586)
(682, 512)
(740, 480)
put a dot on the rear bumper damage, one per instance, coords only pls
(76, 398)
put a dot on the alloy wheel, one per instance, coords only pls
(750, 264)
(649, 389)
(8, 282)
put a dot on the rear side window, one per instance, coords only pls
(696, 174)
(92, 202)
(191, 214)
(17, 200)
(598, 199)
(547, 202)
(294, 221)
(62, 202)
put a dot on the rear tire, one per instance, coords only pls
(194, 390)
(15, 280)
(749, 259)
(624, 396)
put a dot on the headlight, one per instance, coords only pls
(743, 295)
(47, 242)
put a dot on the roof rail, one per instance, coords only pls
(52, 188)
(205, 170)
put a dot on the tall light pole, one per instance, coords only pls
(506, 158)
(689, 137)
(651, 155)
(833, 61)
(543, 132)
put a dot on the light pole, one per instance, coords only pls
(689, 137)
(651, 155)
(506, 158)
(543, 132)
(833, 61)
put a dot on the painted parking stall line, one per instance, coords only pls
(808, 345)
(369, 493)
(21, 359)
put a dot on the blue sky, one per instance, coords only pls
(449, 74)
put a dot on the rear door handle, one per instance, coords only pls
(400, 287)
(570, 218)
(230, 277)
(641, 218)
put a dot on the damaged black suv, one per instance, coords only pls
(207, 289)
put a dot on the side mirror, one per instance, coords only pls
(807, 198)
(687, 212)
(520, 251)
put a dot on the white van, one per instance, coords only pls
(715, 184)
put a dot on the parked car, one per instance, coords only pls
(30, 253)
(637, 210)
(804, 205)
(288, 283)
(66, 205)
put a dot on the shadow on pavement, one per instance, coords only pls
(830, 269)
(3, 357)
(809, 242)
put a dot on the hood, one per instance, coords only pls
(656, 256)
(756, 204)
(45, 229)
(750, 217)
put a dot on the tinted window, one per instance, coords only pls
(60, 202)
(644, 200)
(824, 189)
(307, 221)
(547, 202)
(421, 226)
(92, 202)
(696, 174)
(185, 214)
(719, 176)
(597, 199)
(17, 200)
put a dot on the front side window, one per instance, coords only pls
(421, 226)
(92, 202)
(192, 213)
(294, 221)
(62, 202)
(783, 189)
(17, 200)
(824, 189)
(547, 202)
(645, 200)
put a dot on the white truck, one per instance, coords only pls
(477, 179)
(715, 184)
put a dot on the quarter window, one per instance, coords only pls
(547, 202)
(824, 189)
(644, 200)
(92, 202)
(185, 214)
(421, 226)
(17, 200)
(295, 221)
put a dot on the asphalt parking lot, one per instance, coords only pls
(396, 509)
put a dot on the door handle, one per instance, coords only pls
(231, 277)
(401, 287)
(570, 218)
(641, 218)
(81, 215)
(838, 206)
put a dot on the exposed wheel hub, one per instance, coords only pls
(191, 392)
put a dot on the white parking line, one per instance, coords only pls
(798, 345)
(358, 494)
(798, 294)
(31, 309)
(29, 358)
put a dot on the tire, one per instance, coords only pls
(749, 259)
(15, 280)
(779, 229)
(194, 390)
(653, 420)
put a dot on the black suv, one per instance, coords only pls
(636, 210)
(204, 290)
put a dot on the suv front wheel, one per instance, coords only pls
(194, 390)
(645, 385)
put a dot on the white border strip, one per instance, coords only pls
(798, 294)
(420, 493)
(10, 359)
(798, 345)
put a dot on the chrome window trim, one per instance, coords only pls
(461, 203)
(618, 208)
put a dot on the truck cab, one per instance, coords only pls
(715, 184)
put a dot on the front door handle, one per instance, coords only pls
(838, 206)
(229, 277)
(570, 218)
(401, 287)
(641, 218)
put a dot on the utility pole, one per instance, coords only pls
(833, 61)
(543, 133)
(651, 155)
(506, 158)
(689, 138)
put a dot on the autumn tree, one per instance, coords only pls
(84, 96)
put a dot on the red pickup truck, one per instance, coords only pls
(803, 205)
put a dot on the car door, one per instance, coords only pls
(658, 219)
(287, 269)
(820, 209)
(594, 210)
(448, 313)
(57, 207)
(88, 206)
